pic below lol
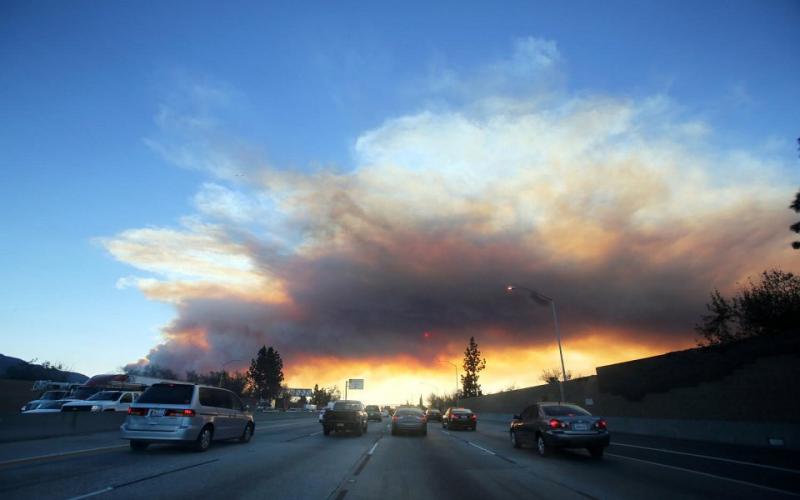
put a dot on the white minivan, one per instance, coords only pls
(186, 413)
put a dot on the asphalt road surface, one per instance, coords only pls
(290, 458)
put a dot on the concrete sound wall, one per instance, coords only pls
(754, 401)
(37, 426)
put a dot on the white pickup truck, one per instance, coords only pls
(104, 401)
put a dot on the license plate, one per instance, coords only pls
(157, 412)
(581, 427)
(339, 425)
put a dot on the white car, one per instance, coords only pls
(47, 396)
(49, 406)
(104, 401)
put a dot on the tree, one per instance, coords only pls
(442, 402)
(266, 373)
(473, 363)
(768, 307)
(553, 375)
(421, 406)
(321, 397)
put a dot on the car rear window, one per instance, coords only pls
(167, 394)
(372, 408)
(564, 411)
(346, 406)
(462, 412)
(408, 411)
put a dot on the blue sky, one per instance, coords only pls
(90, 90)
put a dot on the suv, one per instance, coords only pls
(345, 416)
(559, 425)
(104, 401)
(374, 413)
(186, 413)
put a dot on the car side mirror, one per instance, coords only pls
(517, 417)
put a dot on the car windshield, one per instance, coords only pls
(409, 411)
(51, 405)
(84, 392)
(171, 394)
(52, 395)
(564, 411)
(106, 396)
(346, 406)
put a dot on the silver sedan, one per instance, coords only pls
(409, 419)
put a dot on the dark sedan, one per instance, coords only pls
(433, 414)
(559, 425)
(459, 418)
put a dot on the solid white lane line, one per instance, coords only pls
(490, 452)
(315, 433)
(60, 455)
(723, 478)
(94, 493)
(372, 450)
(729, 460)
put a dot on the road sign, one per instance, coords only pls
(356, 383)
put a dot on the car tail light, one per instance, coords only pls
(474, 417)
(180, 413)
(137, 411)
(601, 424)
(394, 418)
(557, 424)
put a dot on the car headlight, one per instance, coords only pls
(96, 408)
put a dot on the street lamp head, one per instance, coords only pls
(510, 288)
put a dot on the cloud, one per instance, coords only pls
(600, 202)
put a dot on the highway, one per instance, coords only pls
(290, 458)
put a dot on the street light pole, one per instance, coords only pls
(542, 299)
(456, 367)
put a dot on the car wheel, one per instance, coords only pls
(139, 445)
(247, 434)
(541, 446)
(204, 439)
(596, 452)
(474, 428)
(394, 431)
(326, 431)
(366, 428)
(515, 440)
(424, 432)
(359, 430)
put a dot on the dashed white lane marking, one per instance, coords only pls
(372, 450)
(490, 452)
(706, 474)
(729, 460)
(93, 494)
(315, 433)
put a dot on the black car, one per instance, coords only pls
(559, 425)
(433, 414)
(374, 413)
(459, 418)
